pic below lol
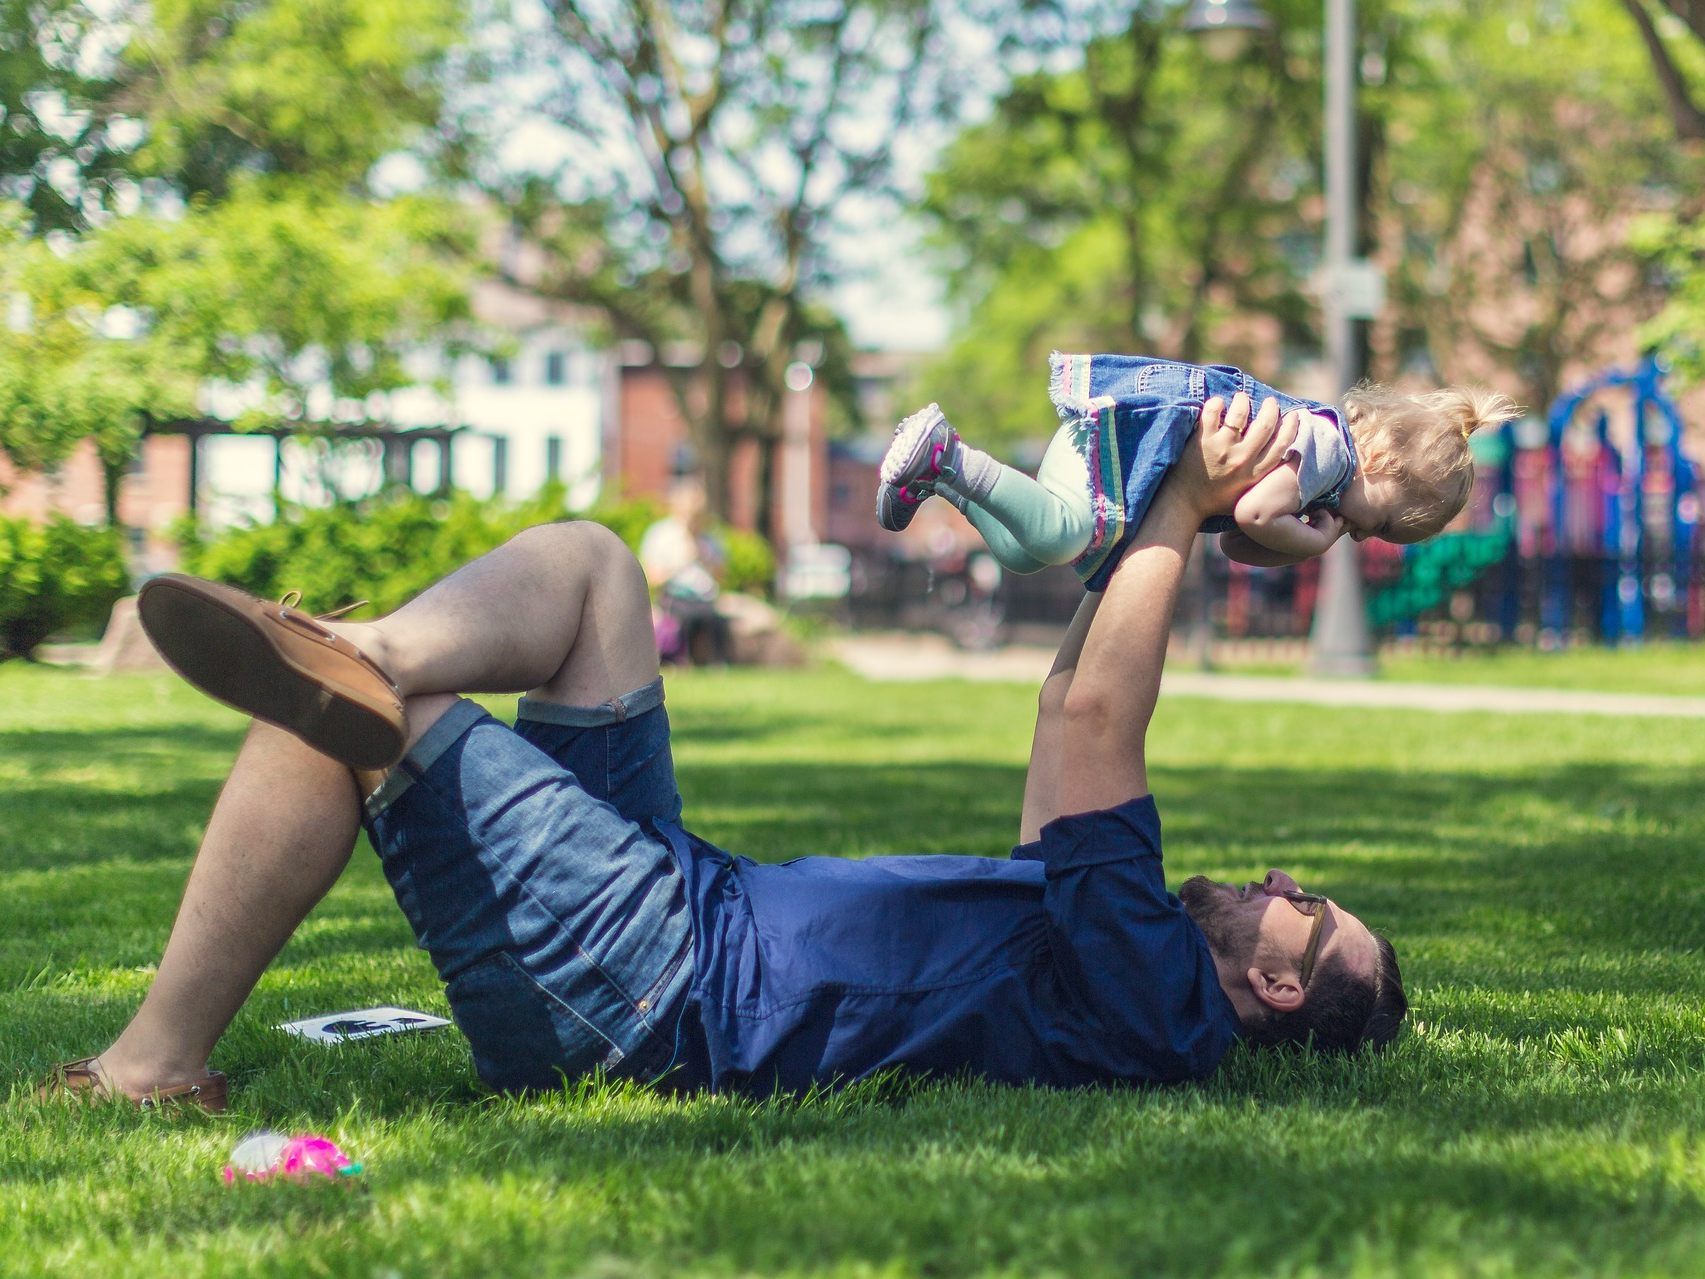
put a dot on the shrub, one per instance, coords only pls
(389, 549)
(53, 576)
(629, 519)
(750, 565)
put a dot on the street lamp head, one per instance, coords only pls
(1226, 26)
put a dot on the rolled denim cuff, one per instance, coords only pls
(423, 754)
(646, 698)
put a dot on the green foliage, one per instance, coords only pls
(283, 274)
(294, 290)
(293, 294)
(1138, 197)
(1521, 139)
(47, 79)
(749, 564)
(629, 518)
(63, 378)
(1677, 247)
(388, 549)
(55, 575)
(729, 143)
(313, 91)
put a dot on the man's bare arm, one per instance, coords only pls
(1117, 681)
(1041, 781)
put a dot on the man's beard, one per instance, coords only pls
(1207, 903)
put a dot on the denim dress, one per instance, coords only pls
(1140, 411)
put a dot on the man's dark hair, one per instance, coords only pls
(1343, 1013)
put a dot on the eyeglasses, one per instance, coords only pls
(1312, 904)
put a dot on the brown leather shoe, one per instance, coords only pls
(82, 1079)
(278, 664)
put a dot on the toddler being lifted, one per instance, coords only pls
(1383, 465)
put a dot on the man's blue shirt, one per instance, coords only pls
(1068, 965)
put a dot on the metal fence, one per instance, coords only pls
(1457, 600)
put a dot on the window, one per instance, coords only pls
(556, 368)
(500, 464)
(553, 457)
(500, 374)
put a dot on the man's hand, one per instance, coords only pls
(1228, 452)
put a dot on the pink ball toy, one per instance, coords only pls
(264, 1155)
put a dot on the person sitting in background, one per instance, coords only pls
(683, 562)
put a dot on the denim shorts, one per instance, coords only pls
(525, 861)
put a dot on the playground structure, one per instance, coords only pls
(1583, 528)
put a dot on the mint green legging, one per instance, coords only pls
(1032, 523)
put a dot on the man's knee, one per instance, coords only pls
(422, 712)
(582, 541)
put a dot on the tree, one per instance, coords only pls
(58, 158)
(310, 306)
(1522, 143)
(252, 251)
(314, 303)
(65, 377)
(309, 91)
(1675, 240)
(1130, 202)
(1150, 200)
(1680, 97)
(723, 142)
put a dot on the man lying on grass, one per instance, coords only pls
(578, 926)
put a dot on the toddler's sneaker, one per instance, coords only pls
(912, 466)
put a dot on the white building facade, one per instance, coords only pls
(534, 414)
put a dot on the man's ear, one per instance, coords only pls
(1282, 992)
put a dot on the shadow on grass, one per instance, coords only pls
(1539, 884)
(1550, 922)
(1594, 859)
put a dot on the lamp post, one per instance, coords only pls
(1340, 644)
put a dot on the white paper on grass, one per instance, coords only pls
(362, 1023)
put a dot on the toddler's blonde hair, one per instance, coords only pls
(1421, 441)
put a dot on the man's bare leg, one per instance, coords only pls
(279, 837)
(560, 610)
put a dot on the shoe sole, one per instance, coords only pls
(891, 513)
(216, 643)
(907, 452)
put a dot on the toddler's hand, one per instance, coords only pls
(1328, 522)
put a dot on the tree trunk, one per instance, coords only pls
(767, 520)
(112, 482)
(715, 455)
(1685, 115)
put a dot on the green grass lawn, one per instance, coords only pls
(1672, 669)
(1664, 668)
(1541, 876)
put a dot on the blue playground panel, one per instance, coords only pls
(1569, 519)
